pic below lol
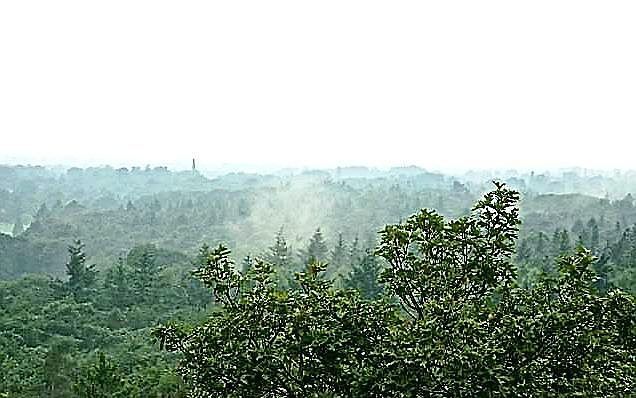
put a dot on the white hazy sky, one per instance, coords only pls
(441, 84)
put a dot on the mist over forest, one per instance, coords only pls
(114, 210)
(138, 282)
(333, 199)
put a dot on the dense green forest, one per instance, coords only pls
(145, 282)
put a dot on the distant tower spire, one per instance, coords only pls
(194, 165)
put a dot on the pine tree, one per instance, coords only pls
(594, 242)
(603, 268)
(561, 244)
(339, 255)
(279, 253)
(279, 256)
(56, 368)
(99, 380)
(365, 275)
(247, 264)
(118, 282)
(145, 270)
(565, 244)
(81, 276)
(581, 232)
(355, 254)
(316, 251)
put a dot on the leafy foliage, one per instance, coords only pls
(463, 328)
(266, 342)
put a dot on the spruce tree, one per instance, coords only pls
(355, 252)
(365, 275)
(247, 264)
(316, 251)
(145, 270)
(279, 253)
(594, 242)
(339, 256)
(81, 276)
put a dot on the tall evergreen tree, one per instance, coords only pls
(279, 253)
(594, 241)
(247, 264)
(561, 243)
(279, 256)
(145, 270)
(118, 283)
(339, 256)
(316, 251)
(365, 276)
(99, 380)
(355, 252)
(581, 232)
(81, 276)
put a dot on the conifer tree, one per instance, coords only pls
(279, 253)
(355, 252)
(365, 275)
(247, 264)
(581, 232)
(81, 276)
(145, 270)
(99, 380)
(118, 281)
(316, 251)
(594, 242)
(339, 256)
(279, 256)
(561, 244)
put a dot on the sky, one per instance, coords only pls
(445, 85)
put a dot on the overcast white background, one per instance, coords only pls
(444, 85)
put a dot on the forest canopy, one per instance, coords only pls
(280, 285)
(454, 322)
